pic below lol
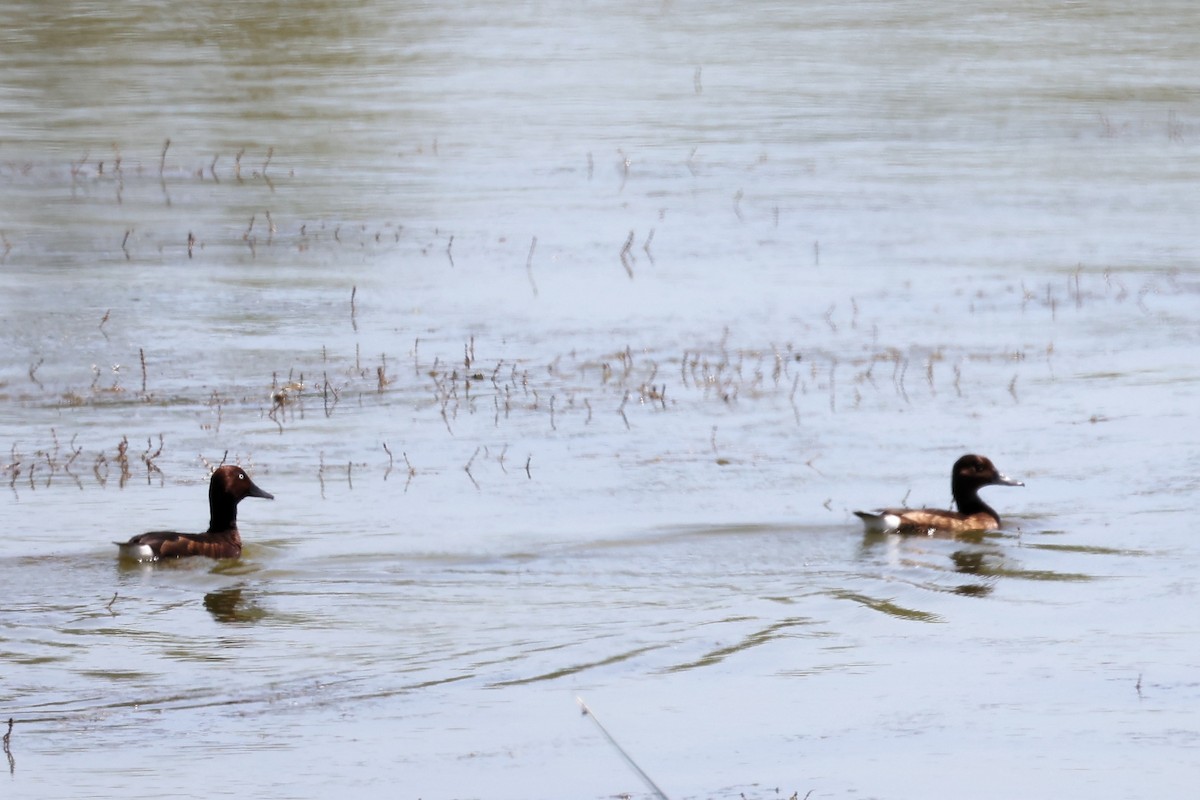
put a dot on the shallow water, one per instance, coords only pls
(567, 342)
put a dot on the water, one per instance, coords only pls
(567, 340)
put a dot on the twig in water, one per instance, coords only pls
(148, 458)
(353, 309)
(329, 407)
(75, 451)
(626, 257)
(33, 368)
(391, 460)
(101, 478)
(467, 468)
(412, 471)
(123, 459)
(449, 254)
(899, 381)
(12, 762)
(142, 355)
(650, 784)
(76, 168)
(529, 266)
(646, 246)
(527, 461)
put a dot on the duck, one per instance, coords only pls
(229, 486)
(970, 474)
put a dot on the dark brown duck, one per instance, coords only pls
(229, 485)
(970, 474)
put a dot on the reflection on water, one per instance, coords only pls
(230, 606)
(776, 630)
(888, 607)
(971, 563)
(988, 556)
(567, 342)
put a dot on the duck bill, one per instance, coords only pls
(1004, 480)
(257, 492)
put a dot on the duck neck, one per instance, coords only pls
(968, 502)
(222, 514)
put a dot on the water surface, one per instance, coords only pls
(567, 341)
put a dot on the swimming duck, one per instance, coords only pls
(970, 474)
(228, 486)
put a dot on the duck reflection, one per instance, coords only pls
(232, 606)
(973, 562)
(974, 558)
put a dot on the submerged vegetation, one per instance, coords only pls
(839, 364)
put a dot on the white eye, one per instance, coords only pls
(241, 476)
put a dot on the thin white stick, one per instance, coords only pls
(587, 712)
